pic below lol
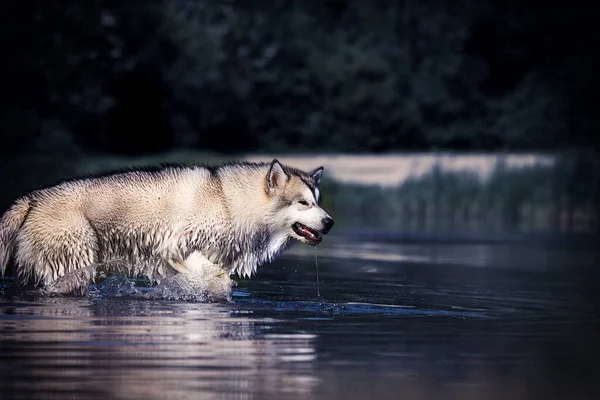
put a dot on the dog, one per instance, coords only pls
(168, 220)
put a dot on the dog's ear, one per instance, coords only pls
(276, 178)
(316, 175)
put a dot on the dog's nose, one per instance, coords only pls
(327, 224)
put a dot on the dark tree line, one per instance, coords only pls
(340, 75)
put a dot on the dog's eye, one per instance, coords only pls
(303, 202)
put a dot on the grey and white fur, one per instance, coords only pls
(236, 216)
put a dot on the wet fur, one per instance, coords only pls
(159, 221)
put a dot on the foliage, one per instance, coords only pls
(234, 76)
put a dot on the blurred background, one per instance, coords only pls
(461, 168)
(466, 117)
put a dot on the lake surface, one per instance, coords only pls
(395, 320)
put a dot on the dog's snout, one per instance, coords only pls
(327, 224)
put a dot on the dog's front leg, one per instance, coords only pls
(196, 263)
(202, 274)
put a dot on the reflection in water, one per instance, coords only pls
(395, 320)
(134, 349)
(501, 255)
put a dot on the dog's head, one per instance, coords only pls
(295, 202)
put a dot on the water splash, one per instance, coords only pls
(207, 284)
(115, 286)
(202, 287)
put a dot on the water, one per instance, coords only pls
(393, 320)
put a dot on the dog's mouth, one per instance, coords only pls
(311, 236)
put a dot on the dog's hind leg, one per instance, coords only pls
(44, 254)
(74, 283)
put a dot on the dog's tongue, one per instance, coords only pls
(308, 233)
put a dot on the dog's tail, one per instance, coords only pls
(10, 223)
